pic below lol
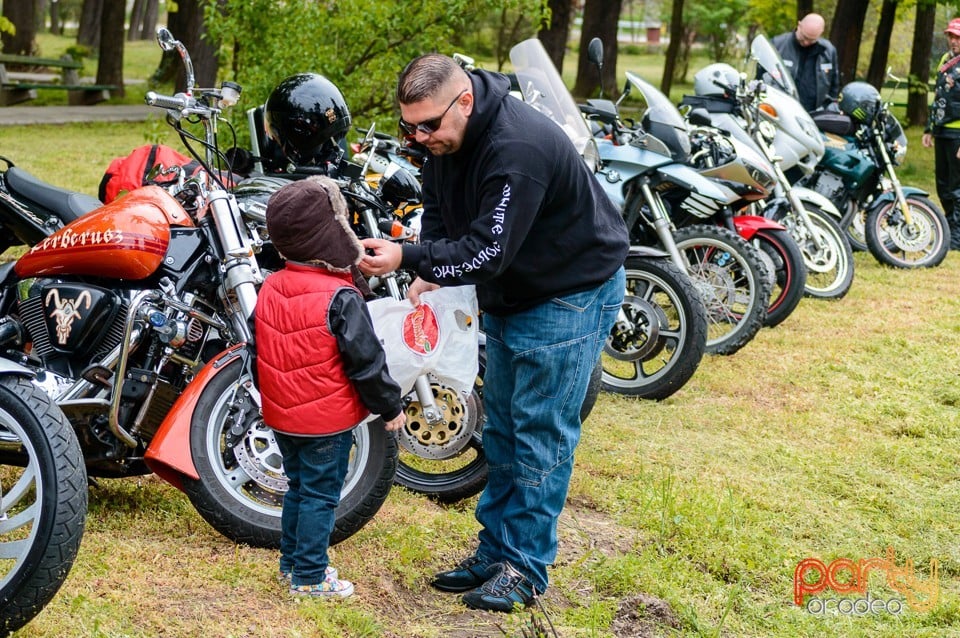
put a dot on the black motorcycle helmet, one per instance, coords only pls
(860, 100)
(308, 118)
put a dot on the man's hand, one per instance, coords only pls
(385, 258)
(417, 288)
(927, 140)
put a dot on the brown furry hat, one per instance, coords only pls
(307, 221)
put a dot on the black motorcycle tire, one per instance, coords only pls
(790, 273)
(250, 513)
(56, 491)
(928, 238)
(665, 338)
(833, 283)
(853, 224)
(723, 265)
(435, 478)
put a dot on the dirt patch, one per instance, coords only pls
(643, 616)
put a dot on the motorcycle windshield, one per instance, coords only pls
(543, 88)
(775, 71)
(661, 119)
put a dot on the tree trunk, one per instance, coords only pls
(110, 64)
(554, 36)
(24, 18)
(203, 53)
(56, 25)
(803, 8)
(40, 15)
(599, 21)
(88, 32)
(673, 49)
(149, 30)
(877, 72)
(917, 99)
(845, 33)
(136, 20)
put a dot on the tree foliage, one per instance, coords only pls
(360, 46)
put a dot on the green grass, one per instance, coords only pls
(834, 435)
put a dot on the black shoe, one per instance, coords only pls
(507, 589)
(469, 574)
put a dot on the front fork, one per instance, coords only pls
(894, 180)
(661, 225)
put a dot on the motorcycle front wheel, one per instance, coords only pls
(732, 280)
(921, 243)
(445, 461)
(853, 224)
(241, 485)
(789, 272)
(43, 485)
(826, 253)
(661, 334)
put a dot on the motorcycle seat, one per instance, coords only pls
(67, 205)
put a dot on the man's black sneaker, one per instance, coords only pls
(469, 574)
(505, 590)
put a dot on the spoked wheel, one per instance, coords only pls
(854, 224)
(241, 485)
(922, 242)
(732, 280)
(43, 500)
(789, 272)
(445, 460)
(660, 337)
(826, 252)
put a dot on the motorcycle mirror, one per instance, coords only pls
(165, 39)
(595, 55)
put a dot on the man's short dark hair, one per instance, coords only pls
(425, 76)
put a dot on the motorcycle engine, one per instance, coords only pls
(830, 186)
(69, 320)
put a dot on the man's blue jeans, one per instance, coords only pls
(316, 467)
(538, 367)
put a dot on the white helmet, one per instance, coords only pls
(710, 80)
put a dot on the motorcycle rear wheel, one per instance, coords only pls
(241, 485)
(733, 283)
(44, 489)
(921, 244)
(658, 346)
(790, 273)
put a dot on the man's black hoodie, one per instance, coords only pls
(515, 210)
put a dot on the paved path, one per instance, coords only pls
(20, 115)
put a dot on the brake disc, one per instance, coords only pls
(447, 437)
(637, 339)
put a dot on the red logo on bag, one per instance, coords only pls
(421, 330)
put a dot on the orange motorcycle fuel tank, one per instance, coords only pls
(125, 239)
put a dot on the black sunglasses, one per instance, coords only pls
(429, 127)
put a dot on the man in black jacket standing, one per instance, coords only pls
(510, 206)
(812, 61)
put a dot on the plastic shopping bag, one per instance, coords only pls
(440, 337)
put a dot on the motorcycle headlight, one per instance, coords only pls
(898, 151)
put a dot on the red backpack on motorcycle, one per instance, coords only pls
(127, 173)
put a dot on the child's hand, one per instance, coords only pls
(395, 423)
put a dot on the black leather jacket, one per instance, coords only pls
(824, 83)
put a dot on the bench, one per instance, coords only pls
(19, 86)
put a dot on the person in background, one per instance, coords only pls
(943, 131)
(510, 206)
(320, 369)
(812, 61)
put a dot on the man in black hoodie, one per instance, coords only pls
(510, 206)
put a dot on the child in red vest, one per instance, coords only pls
(321, 371)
